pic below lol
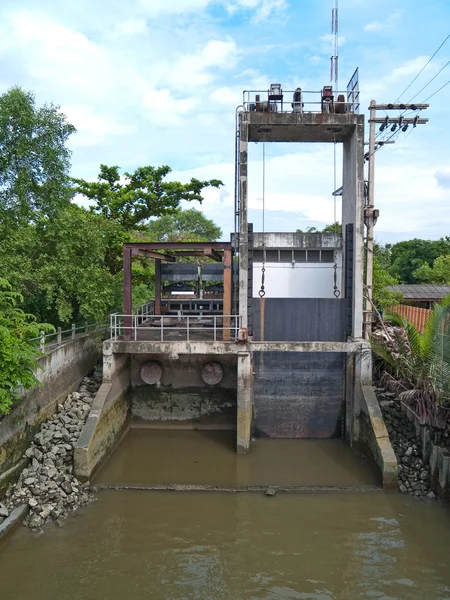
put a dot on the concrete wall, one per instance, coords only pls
(374, 439)
(352, 212)
(301, 280)
(299, 395)
(62, 371)
(182, 397)
(107, 421)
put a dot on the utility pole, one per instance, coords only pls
(368, 217)
(370, 213)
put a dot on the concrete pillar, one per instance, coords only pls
(353, 212)
(244, 401)
(243, 221)
(113, 363)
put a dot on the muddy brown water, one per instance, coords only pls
(209, 457)
(207, 545)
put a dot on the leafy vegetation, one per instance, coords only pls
(418, 365)
(184, 226)
(34, 159)
(408, 260)
(133, 198)
(438, 273)
(18, 357)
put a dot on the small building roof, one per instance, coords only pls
(421, 292)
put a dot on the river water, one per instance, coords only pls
(230, 546)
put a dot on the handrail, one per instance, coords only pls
(215, 327)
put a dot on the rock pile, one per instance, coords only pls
(48, 484)
(413, 474)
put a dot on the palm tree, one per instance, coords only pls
(417, 365)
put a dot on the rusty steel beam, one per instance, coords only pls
(157, 287)
(227, 294)
(153, 254)
(179, 245)
(212, 253)
(127, 293)
(194, 252)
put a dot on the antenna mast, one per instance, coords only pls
(334, 67)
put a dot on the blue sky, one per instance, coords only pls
(157, 82)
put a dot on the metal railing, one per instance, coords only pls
(311, 101)
(165, 328)
(51, 341)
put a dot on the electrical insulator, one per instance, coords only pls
(394, 127)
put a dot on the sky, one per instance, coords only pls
(158, 81)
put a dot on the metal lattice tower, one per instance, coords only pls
(334, 60)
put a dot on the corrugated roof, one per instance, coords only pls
(413, 291)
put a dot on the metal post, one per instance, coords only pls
(370, 207)
(227, 289)
(127, 293)
(73, 331)
(86, 327)
(215, 326)
(157, 286)
(162, 328)
(58, 336)
(42, 341)
(187, 328)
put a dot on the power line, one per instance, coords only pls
(432, 79)
(441, 88)
(422, 69)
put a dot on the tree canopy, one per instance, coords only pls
(184, 225)
(135, 197)
(438, 273)
(18, 357)
(34, 158)
(408, 257)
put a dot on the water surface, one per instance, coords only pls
(202, 546)
(209, 457)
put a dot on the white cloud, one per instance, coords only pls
(133, 27)
(390, 23)
(93, 127)
(161, 105)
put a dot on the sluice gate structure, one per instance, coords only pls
(213, 352)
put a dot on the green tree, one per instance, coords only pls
(184, 225)
(34, 159)
(438, 273)
(382, 296)
(418, 364)
(132, 199)
(18, 356)
(68, 268)
(407, 257)
(333, 228)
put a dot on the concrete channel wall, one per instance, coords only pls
(374, 438)
(62, 370)
(108, 420)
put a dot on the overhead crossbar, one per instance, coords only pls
(153, 254)
(212, 253)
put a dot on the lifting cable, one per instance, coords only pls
(336, 291)
(262, 291)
